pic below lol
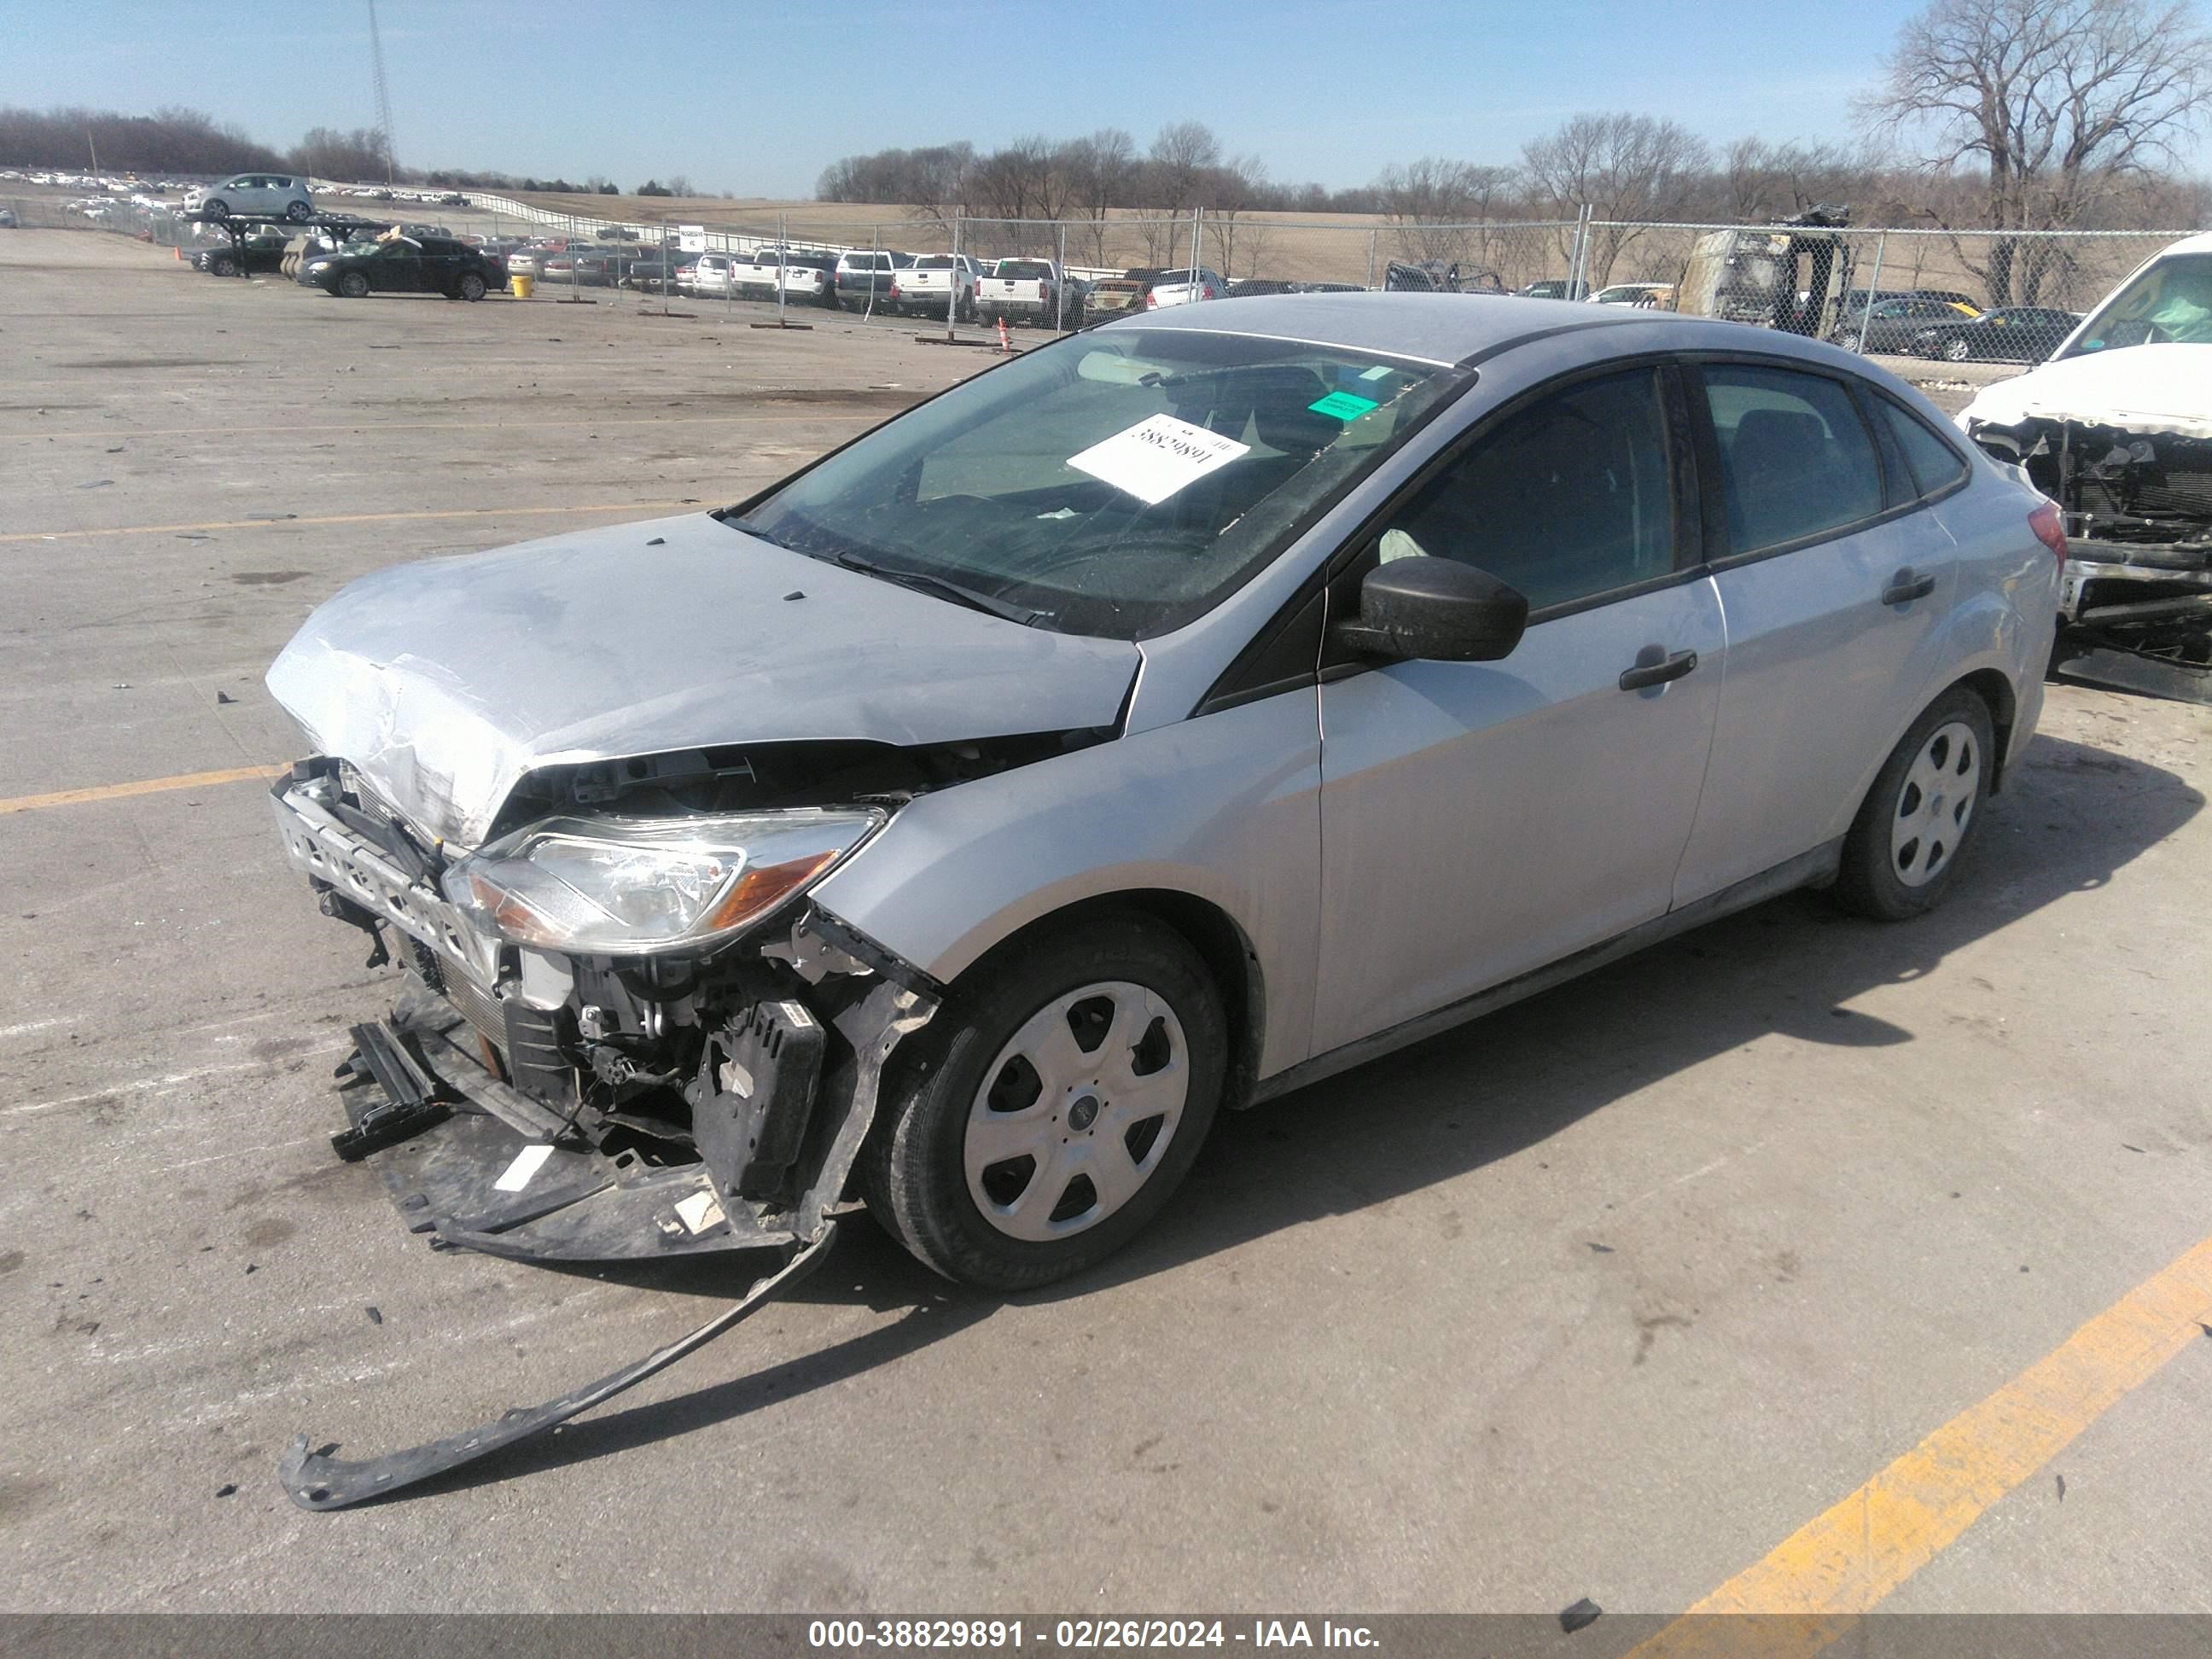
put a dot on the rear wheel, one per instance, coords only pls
(1956, 349)
(218, 209)
(1058, 1102)
(299, 212)
(469, 288)
(1903, 851)
(354, 285)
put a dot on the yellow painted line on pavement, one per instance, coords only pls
(1817, 1581)
(347, 518)
(142, 787)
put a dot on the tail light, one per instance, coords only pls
(1206, 293)
(894, 290)
(2050, 530)
(1151, 302)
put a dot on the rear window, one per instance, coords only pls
(933, 262)
(1024, 270)
(1936, 466)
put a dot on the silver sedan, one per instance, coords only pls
(1167, 718)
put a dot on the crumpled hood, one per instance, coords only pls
(2148, 389)
(445, 682)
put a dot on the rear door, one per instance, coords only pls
(1480, 820)
(1833, 580)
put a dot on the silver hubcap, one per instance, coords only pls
(1077, 1111)
(1935, 804)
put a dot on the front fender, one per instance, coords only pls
(1224, 808)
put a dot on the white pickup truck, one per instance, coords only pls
(1032, 291)
(807, 278)
(923, 290)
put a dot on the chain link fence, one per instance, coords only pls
(2000, 297)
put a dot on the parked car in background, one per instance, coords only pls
(656, 272)
(2007, 334)
(809, 279)
(261, 251)
(1074, 868)
(929, 283)
(1183, 286)
(1253, 287)
(1935, 305)
(7, 218)
(1116, 296)
(714, 276)
(1650, 296)
(1032, 291)
(527, 261)
(402, 264)
(2116, 427)
(1550, 288)
(870, 281)
(581, 267)
(277, 194)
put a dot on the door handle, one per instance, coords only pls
(1654, 669)
(1906, 586)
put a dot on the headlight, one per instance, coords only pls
(636, 886)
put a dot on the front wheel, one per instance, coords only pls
(469, 288)
(1902, 852)
(354, 285)
(1956, 349)
(1057, 1105)
(223, 265)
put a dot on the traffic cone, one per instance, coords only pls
(1005, 344)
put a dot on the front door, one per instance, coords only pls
(1480, 820)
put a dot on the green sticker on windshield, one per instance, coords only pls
(1344, 405)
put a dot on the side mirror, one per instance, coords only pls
(1435, 610)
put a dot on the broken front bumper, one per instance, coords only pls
(2138, 616)
(505, 1175)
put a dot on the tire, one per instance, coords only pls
(353, 285)
(1918, 818)
(218, 209)
(1018, 1029)
(1956, 349)
(469, 288)
(299, 212)
(221, 264)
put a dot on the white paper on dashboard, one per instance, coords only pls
(1157, 457)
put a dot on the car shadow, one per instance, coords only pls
(2071, 815)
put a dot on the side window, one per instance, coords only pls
(1796, 459)
(1935, 465)
(1566, 499)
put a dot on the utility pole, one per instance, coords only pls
(383, 92)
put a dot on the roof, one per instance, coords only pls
(1450, 328)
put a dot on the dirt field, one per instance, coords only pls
(1607, 1296)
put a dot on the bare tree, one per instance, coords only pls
(1103, 168)
(2057, 106)
(1628, 169)
(1434, 202)
(1226, 192)
(1180, 158)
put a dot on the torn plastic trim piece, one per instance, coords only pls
(316, 1481)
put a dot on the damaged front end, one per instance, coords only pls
(620, 1035)
(2135, 605)
(599, 1052)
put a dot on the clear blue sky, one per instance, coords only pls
(757, 99)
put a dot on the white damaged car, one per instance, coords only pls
(2117, 428)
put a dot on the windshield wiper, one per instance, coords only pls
(923, 582)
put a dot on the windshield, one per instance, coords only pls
(1114, 485)
(2171, 301)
